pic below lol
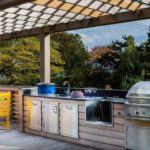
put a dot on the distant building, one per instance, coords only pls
(102, 58)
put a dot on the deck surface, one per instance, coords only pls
(15, 140)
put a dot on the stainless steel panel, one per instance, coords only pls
(137, 138)
(96, 113)
(139, 100)
(138, 111)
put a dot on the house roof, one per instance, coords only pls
(19, 18)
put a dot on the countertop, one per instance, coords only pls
(112, 99)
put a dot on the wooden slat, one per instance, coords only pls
(102, 132)
(119, 113)
(14, 104)
(138, 123)
(89, 143)
(9, 3)
(82, 109)
(125, 4)
(119, 106)
(82, 116)
(15, 96)
(119, 120)
(70, 7)
(116, 127)
(102, 139)
(85, 23)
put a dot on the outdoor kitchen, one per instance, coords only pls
(96, 121)
(74, 98)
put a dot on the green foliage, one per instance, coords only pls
(144, 65)
(19, 60)
(75, 56)
(126, 72)
(23, 56)
(98, 78)
(57, 61)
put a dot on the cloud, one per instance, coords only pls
(106, 34)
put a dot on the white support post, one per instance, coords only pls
(45, 58)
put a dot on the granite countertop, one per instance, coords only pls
(112, 99)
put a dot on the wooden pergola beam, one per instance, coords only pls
(45, 58)
(10, 3)
(85, 23)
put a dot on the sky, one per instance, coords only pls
(103, 35)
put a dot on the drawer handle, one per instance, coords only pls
(34, 104)
(55, 109)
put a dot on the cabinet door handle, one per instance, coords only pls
(34, 104)
(55, 109)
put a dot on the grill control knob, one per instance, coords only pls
(136, 112)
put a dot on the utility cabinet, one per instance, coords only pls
(50, 117)
(34, 115)
(137, 138)
(69, 120)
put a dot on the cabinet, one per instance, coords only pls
(137, 138)
(34, 115)
(50, 117)
(69, 120)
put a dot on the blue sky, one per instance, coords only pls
(105, 34)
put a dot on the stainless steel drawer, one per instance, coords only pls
(137, 138)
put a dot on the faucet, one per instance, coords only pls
(68, 88)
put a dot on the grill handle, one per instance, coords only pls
(136, 104)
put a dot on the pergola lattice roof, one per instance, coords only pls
(32, 17)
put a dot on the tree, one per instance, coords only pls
(144, 50)
(75, 56)
(19, 61)
(24, 54)
(127, 68)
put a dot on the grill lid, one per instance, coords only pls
(140, 89)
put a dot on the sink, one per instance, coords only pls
(69, 96)
(63, 96)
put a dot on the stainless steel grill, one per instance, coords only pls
(138, 108)
(138, 104)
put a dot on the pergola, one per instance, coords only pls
(22, 18)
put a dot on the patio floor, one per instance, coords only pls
(15, 140)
